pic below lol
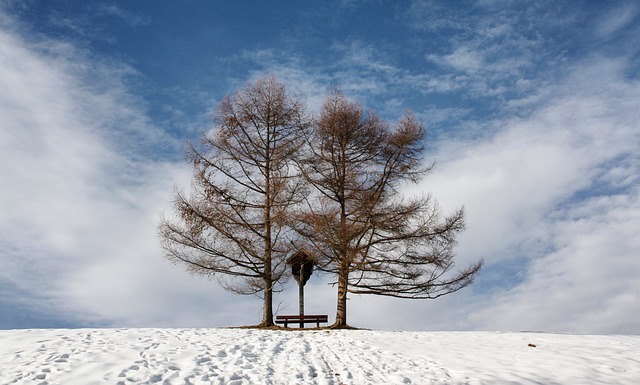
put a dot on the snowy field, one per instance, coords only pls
(240, 356)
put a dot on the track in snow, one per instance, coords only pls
(241, 356)
(199, 356)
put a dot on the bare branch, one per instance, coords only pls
(370, 238)
(233, 224)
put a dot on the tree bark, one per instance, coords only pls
(341, 311)
(267, 316)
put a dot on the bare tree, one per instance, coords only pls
(232, 225)
(363, 231)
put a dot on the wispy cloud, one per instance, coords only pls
(617, 19)
(128, 17)
(83, 188)
(556, 194)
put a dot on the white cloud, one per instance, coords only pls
(616, 19)
(589, 284)
(129, 18)
(82, 193)
(491, 48)
(465, 59)
(555, 193)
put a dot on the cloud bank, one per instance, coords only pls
(83, 189)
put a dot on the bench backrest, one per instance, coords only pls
(314, 318)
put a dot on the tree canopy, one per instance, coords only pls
(232, 224)
(365, 233)
(268, 181)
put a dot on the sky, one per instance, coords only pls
(532, 110)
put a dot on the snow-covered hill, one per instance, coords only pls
(242, 356)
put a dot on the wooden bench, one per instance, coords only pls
(301, 319)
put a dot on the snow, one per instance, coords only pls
(246, 356)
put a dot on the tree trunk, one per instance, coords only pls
(267, 316)
(341, 313)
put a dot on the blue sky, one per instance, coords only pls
(532, 110)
